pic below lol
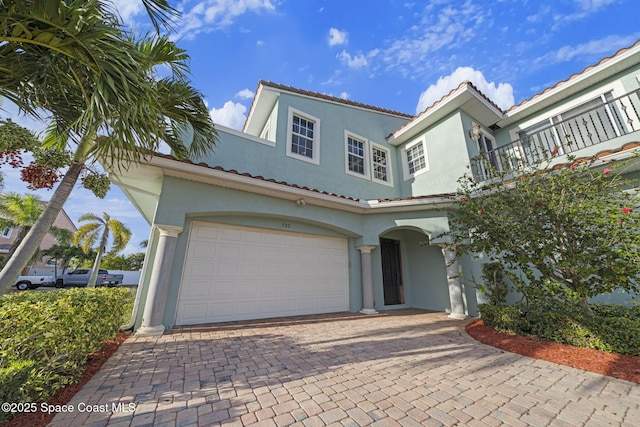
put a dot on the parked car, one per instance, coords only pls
(80, 277)
(31, 282)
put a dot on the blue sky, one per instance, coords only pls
(400, 55)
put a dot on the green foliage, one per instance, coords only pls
(14, 137)
(51, 157)
(50, 335)
(613, 328)
(132, 262)
(97, 183)
(570, 232)
(494, 286)
(12, 378)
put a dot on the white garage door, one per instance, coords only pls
(240, 273)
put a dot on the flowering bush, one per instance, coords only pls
(493, 285)
(569, 233)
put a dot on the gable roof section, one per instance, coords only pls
(465, 97)
(267, 94)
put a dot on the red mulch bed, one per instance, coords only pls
(94, 363)
(624, 367)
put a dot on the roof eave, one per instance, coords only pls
(463, 98)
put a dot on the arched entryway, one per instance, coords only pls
(412, 272)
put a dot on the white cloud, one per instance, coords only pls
(357, 61)
(344, 95)
(596, 48)
(128, 9)
(232, 114)
(245, 94)
(501, 94)
(337, 37)
(210, 15)
(445, 28)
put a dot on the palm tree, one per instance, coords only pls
(74, 60)
(98, 231)
(19, 211)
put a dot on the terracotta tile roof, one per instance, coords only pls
(626, 147)
(599, 155)
(331, 98)
(425, 197)
(576, 75)
(258, 177)
(466, 83)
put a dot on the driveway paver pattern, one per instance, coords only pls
(398, 368)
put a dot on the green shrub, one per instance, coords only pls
(12, 378)
(501, 318)
(50, 334)
(610, 328)
(494, 286)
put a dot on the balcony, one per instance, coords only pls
(598, 121)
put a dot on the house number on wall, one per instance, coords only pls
(286, 225)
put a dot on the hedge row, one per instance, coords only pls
(45, 337)
(611, 328)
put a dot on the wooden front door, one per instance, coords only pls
(391, 272)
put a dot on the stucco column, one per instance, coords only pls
(367, 280)
(159, 281)
(455, 284)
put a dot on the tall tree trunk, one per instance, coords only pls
(96, 264)
(32, 240)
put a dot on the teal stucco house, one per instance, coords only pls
(322, 204)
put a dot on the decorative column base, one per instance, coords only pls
(368, 311)
(150, 331)
(458, 316)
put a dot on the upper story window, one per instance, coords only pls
(303, 137)
(415, 159)
(356, 156)
(380, 162)
(366, 159)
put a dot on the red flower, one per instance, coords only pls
(462, 199)
(627, 210)
(538, 203)
(555, 150)
(573, 167)
(606, 171)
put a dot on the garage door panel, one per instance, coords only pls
(204, 231)
(251, 273)
(250, 270)
(199, 269)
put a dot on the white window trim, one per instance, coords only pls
(6, 233)
(405, 163)
(389, 182)
(316, 137)
(365, 153)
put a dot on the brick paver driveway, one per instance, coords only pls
(407, 368)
